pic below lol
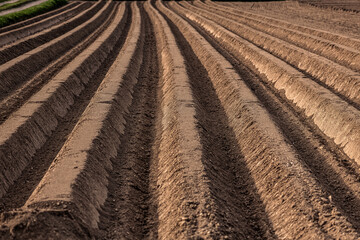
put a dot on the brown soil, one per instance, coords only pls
(347, 5)
(316, 150)
(171, 120)
(336, 21)
(231, 184)
(33, 173)
(126, 213)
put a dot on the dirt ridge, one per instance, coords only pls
(14, 74)
(337, 78)
(337, 38)
(305, 93)
(253, 117)
(50, 103)
(81, 157)
(176, 120)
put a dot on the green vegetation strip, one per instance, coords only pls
(30, 12)
(14, 4)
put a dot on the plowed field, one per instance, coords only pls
(180, 120)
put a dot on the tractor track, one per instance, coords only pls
(177, 120)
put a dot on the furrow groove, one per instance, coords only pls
(13, 73)
(335, 77)
(181, 120)
(327, 110)
(248, 118)
(38, 117)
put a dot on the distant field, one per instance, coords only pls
(341, 4)
(16, 4)
(23, 13)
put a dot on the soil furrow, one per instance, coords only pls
(85, 161)
(351, 6)
(337, 174)
(239, 207)
(316, 33)
(27, 43)
(185, 208)
(17, 98)
(337, 26)
(341, 54)
(33, 173)
(328, 112)
(36, 120)
(126, 213)
(338, 79)
(180, 120)
(13, 73)
(309, 191)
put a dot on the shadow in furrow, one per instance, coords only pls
(22, 188)
(240, 209)
(335, 172)
(128, 212)
(15, 100)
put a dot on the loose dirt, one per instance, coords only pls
(181, 120)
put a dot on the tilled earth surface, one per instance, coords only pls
(347, 5)
(181, 120)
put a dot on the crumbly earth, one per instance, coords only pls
(182, 120)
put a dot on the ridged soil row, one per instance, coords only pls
(129, 211)
(236, 204)
(16, 99)
(337, 78)
(330, 36)
(336, 173)
(41, 160)
(184, 203)
(295, 203)
(346, 6)
(341, 54)
(85, 157)
(28, 129)
(337, 119)
(10, 36)
(25, 44)
(14, 73)
(39, 18)
(76, 182)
